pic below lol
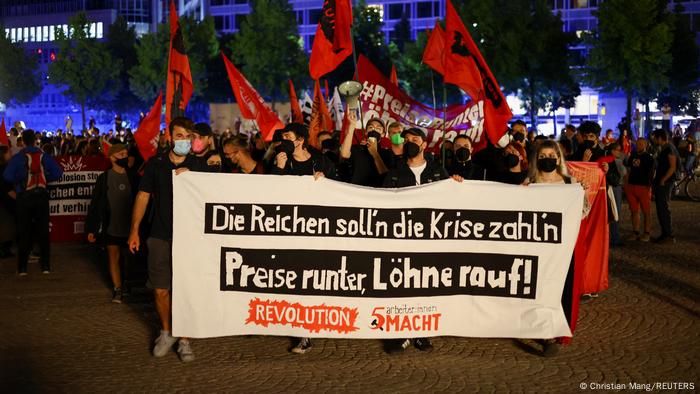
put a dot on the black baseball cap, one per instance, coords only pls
(414, 131)
(202, 129)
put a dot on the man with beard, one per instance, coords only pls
(157, 182)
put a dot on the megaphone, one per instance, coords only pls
(350, 92)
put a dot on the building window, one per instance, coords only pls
(424, 9)
(314, 17)
(52, 33)
(100, 29)
(696, 23)
(396, 11)
(240, 1)
(218, 22)
(45, 33)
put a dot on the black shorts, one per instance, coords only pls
(160, 263)
(114, 240)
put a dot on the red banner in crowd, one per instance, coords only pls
(592, 248)
(3, 134)
(250, 103)
(297, 116)
(320, 117)
(69, 197)
(382, 99)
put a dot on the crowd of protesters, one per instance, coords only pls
(131, 208)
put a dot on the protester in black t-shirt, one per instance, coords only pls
(415, 170)
(236, 150)
(157, 182)
(393, 155)
(203, 146)
(109, 214)
(638, 189)
(516, 164)
(294, 158)
(366, 166)
(667, 164)
(462, 164)
(590, 149)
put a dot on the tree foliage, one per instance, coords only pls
(121, 44)
(148, 76)
(682, 93)
(84, 66)
(269, 48)
(630, 49)
(20, 80)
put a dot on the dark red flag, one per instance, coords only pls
(3, 134)
(434, 49)
(297, 116)
(394, 78)
(333, 42)
(179, 86)
(320, 117)
(466, 68)
(146, 134)
(251, 104)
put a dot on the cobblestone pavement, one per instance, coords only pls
(61, 333)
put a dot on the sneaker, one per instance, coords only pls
(633, 236)
(22, 273)
(164, 343)
(184, 350)
(303, 346)
(646, 237)
(664, 239)
(550, 347)
(117, 296)
(398, 346)
(46, 272)
(423, 344)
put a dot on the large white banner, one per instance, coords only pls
(287, 255)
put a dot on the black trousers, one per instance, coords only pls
(662, 195)
(33, 225)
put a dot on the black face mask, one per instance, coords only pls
(285, 146)
(519, 137)
(329, 144)
(511, 160)
(123, 163)
(462, 154)
(375, 135)
(410, 150)
(547, 164)
(588, 144)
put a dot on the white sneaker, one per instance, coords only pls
(184, 350)
(164, 343)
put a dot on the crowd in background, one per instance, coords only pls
(133, 199)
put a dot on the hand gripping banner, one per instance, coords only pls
(328, 259)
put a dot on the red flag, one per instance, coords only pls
(297, 116)
(320, 117)
(252, 106)
(179, 86)
(3, 134)
(394, 78)
(434, 49)
(328, 91)
(146, 135)
(105, 147)
(332, 43)
(466, 68)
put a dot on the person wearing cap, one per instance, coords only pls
(203, 146)
(294, 158)
(416, 169)
(366, 166)
(109, 214)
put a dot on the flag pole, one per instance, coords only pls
(356, 75)
(444, 121)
